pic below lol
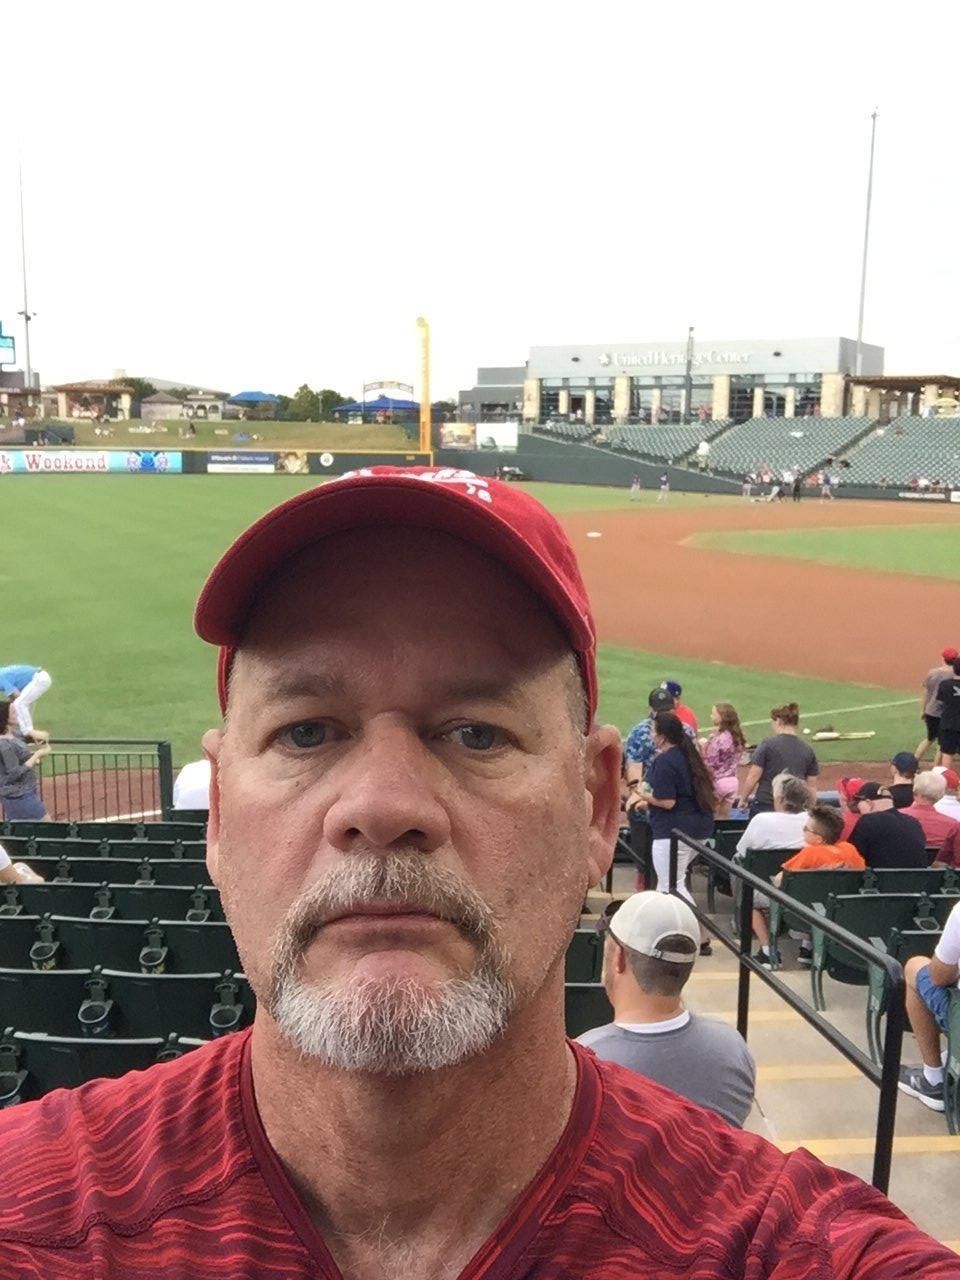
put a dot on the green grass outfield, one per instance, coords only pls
(930, 550)
(100, 574)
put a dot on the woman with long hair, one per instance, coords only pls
(721, 754)
(19, 786)
(782, 752)
(678, 793)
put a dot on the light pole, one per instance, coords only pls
(425, 440)
(858, 361)
(26, 312)
(688, 377)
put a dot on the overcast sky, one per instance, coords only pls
(256, 195)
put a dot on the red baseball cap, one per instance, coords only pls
(497, 518)
(849, 787)
(950, 778)
(949, 654)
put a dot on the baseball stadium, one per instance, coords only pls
(756, 595)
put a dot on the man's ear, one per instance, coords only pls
(602, 798)
(212, 745)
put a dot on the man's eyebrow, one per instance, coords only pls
(308, 686)
(468, 689)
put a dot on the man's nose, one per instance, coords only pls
(389, 794)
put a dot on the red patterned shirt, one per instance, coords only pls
(168, 1175)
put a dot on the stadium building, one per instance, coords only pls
(728, 379)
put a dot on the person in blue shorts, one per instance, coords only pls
(929, 983)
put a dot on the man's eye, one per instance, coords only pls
(477, 737)
(311, 733)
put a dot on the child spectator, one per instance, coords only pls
(824, 851)
(721, 755)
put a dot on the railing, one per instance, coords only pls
(83, 779)
(886, 1075)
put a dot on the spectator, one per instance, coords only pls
(682, 712)
(26, 684)
(928, 789)
(650, 948)
(948, 695)
(903, 770)
(721, 754)
(931, 708)
(848, 788)
(16, 872)
(639, 749)
(782, 751)
(884, 835)
(950, 804)
(677, 794)
(782, 827)
(928, 998)
(192, 787)
(19, 786)
(823, 851)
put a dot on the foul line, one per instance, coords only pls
(839, 711)
(130, 817)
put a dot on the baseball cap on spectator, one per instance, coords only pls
(672, 688)
(498, 519)
(660, 700)
(949, 654)
(905, 762)
(950, 778)
(643, 920)
(849, 787)
(872, 791)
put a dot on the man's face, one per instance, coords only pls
(404, 817)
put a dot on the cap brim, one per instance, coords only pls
(225, 603)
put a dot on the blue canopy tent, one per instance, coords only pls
(253, 397)
(382, 404)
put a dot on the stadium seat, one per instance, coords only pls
(900, 944)
(150, 946)
(193, 817)
(17, 936)
(167, 871)
(809, 887)
(951, 1089)
(585, 1006)
(137, 1005)
(74, 898)
(31, 1064)
(34, 1000)
(866, 915)
(193, 850)
(933, 880)
(584, 958)
(155, 901)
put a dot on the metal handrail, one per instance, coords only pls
(159, 751)
(887, 1075)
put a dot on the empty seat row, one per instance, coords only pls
(172, 871)
(107, 901)
(163, 831)
(64, 847)
(150, 946)
(115, 1003)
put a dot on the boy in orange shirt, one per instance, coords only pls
(824, 851)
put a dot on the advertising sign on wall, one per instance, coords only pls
(90, 462)
(224, 464)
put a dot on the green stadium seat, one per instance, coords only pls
(911, 880)
(196, 817)
(809, 887)
(136, 1005)
(167, 871)
(151, 946)
(866, 915)
(17, 936)
(585, 1006)
(901, 944)
(155, 901)
(951, 1091)
(73, 898)
(31, 1064)
(584, 958)
(33, 1000)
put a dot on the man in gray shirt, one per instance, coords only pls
(652, 942)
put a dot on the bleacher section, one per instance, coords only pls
(784, 443)
(908, 448)
(666, 443)
(563, 430)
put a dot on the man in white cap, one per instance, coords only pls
(411, 795)
(652, 942)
